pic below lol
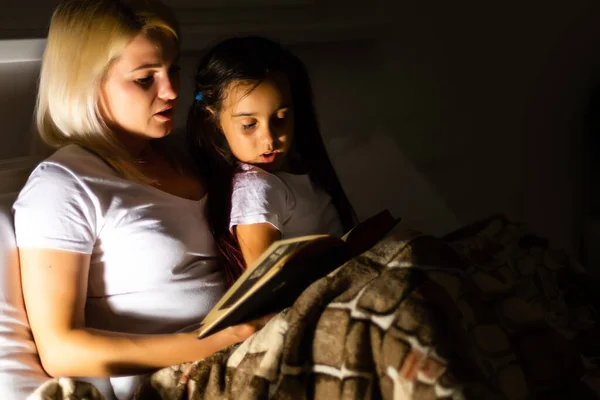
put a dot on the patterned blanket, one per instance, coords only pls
(489, 311)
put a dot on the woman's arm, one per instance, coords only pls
(54, 289)
(254, 239)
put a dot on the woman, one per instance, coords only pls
(114, 246)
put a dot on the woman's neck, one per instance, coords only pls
(137, 147)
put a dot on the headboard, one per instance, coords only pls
(19, 69)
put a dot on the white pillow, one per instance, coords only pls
(20, 368)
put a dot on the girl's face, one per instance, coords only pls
(139, 91)
(258, 122)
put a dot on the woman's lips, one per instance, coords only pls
(165, 115)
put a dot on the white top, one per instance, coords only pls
(153, 260)
(289, 202)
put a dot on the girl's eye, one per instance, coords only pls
(145, 81)
(249, 126)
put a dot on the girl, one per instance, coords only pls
(254, 131)
(115, 251)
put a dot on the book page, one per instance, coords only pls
(252, 279)
(260, 269)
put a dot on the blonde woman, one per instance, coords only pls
(115, 250)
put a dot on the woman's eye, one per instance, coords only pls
(249, 126)
(145, 81)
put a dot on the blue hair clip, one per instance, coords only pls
(199, 96)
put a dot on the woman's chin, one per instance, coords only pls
(160, 131)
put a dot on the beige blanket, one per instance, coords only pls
(487, 312)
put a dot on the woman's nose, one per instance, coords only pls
(168, 88)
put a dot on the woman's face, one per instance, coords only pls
(139, 91)
(258, 122)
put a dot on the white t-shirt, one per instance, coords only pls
(153, 262)
(289, 202)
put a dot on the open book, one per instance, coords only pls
(286, 268)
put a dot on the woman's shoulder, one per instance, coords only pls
(59, 182)
(75, 161)
(74, 156)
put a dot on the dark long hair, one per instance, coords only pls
(252, 60)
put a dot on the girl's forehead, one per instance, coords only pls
(273, 89)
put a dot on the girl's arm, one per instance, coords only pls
(254, 239)
(54, 289)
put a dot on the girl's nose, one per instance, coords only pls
(267, 136)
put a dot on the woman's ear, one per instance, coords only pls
(211, 111)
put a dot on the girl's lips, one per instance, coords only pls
(269, 157)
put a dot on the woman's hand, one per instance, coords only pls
(228, 336)
(239, 333)
(209, 345)
(247, 329)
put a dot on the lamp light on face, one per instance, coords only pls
(258, 122)
(138, 94)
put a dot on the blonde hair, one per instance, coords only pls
(84, 38)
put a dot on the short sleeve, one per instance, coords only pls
(259, 197)
(55, 211)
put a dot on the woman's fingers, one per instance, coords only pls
(247, 329)
(262, 321)
(226, 337)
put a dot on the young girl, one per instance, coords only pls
(254, 130)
